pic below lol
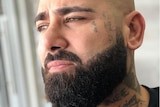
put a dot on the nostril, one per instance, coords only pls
(55, 48)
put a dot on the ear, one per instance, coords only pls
(136, 25)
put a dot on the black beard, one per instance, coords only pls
(92, 82)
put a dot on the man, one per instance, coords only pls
(86, 50)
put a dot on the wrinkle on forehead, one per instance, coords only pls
(117, 3)
(120, 6)
(55, 4)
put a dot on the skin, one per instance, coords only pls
(89, 36)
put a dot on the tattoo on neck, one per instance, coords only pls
(117, 97)
(131, 80)
(133, 102)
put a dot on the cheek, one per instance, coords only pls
(87, 43)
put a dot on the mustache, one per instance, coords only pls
(62, 55)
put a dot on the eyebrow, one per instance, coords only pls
(40, 16)
(63, 11)
(67, 10)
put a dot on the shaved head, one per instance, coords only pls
(125, 6)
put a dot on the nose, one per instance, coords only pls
(54, 39)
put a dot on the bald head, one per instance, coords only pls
(125, 6)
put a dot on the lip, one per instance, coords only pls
(59, 66)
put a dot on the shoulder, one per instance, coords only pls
(154, 96)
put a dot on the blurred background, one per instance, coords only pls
(21, 83)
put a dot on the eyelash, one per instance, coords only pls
(67, 20)
(41, 28)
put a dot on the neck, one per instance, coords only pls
(128, 94)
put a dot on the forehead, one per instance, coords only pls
(45, 5)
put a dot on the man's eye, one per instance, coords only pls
(42, 28)
(74, 19)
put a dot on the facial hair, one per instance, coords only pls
(91, 83)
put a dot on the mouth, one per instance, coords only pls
(58, 66)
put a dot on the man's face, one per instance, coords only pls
(82, 51)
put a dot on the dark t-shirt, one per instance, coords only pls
(154, 94)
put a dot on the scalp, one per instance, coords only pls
(125, 6)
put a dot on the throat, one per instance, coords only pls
(124, 96)
(120, 93)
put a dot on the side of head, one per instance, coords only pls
(84, 45)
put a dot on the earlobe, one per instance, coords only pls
(136, 25)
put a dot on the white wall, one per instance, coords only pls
(147, 56)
